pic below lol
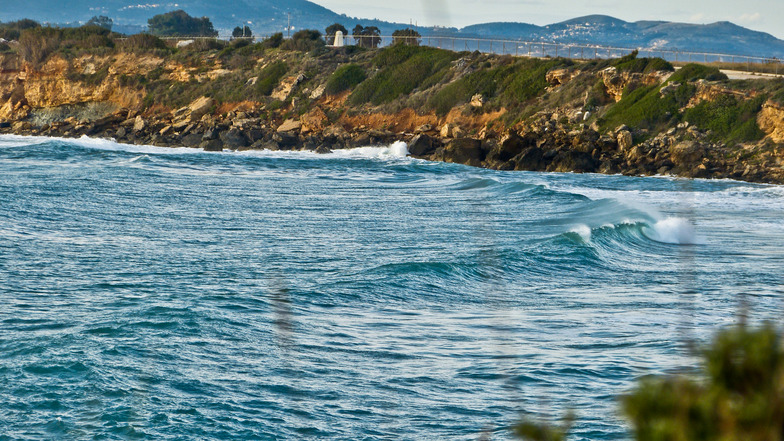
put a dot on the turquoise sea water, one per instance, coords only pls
(156, 293)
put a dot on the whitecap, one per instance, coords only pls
(674, 230)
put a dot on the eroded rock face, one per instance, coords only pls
(290, 125)
(771, 121)
(616, 82)
(558, 77)
(287, 86)
(625, 140)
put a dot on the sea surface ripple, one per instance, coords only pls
(157, 293)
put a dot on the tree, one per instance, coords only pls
(100, 21)
(406, 36)
(241, 32)
(180, 24)
(332, 30)
(366, 36)
(303, 41)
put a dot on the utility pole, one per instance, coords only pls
(288, 27)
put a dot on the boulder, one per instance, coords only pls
(286, 140)
(625, 140)
(233, 139)
(200, 107)
(421, 145)
(687, 153)
(191, 140)
(424, 128)
(139, 124)
(529, 159)
(463, 151)
(318, 92)
(212, 145)
(477, 100)
(290, 125)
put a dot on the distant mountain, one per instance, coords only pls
(721, 37)
(268, 16)
(265, 16)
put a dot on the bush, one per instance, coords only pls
(403, 68)
(406, 36)
(143, 42)
(274, 41)
(694, 72)
(742, 399)
(345, 78)
(729, 118)
(180, 24)
(206, 45)
(739, 396)
(512, 84)
(270, 76)
(36, 44)
(13, 29)
(305, 40)
(644, 108)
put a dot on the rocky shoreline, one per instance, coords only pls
(543, 145)
(626, 116)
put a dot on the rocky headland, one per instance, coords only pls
(632, 115)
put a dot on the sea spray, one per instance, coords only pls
(673, 230)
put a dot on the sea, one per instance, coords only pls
(172, 293)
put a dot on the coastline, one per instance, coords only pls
(626, 116)
(539, 149)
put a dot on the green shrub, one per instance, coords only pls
(694, 72)
(403, 68)
(270, 77)
(305, 40)
(180, 24)
(630, 63)
(741, 399)
(142, 42)
(645, 108)
(729, 118)
(738, 396)
(344, 78)
(274, 41)
(36, 44)
(206, 45)
(13, 29)
(512, 84)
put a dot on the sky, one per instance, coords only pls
(760, 15)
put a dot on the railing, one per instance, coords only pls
(538, 49)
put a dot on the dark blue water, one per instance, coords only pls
(159, 293)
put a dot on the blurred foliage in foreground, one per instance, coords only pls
(740, 396)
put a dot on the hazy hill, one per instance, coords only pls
(268, 16)
(721, 37)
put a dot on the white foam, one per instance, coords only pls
(398, 149)
(674, 230)
(584, 231)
